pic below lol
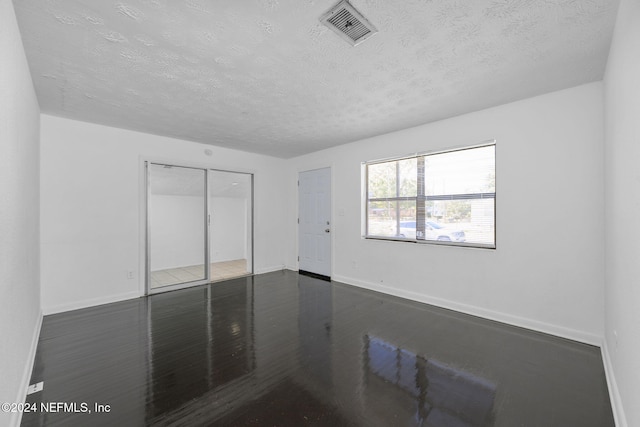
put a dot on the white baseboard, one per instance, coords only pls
(26, 374)
(510, 319)
(76, 305)
(614, 394)
(271, 269)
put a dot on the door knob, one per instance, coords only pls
(327, 230)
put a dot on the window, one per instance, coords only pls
(445, 197)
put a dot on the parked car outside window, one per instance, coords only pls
(433, 231)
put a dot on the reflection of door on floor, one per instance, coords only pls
(314, 210)
(199, 226)
(178, 377)
(315, 300)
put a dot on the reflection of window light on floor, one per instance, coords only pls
(235, 328)
(444, 394)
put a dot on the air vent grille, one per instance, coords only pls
(348, 23)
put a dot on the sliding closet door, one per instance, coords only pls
(177, 226)
(230, 205)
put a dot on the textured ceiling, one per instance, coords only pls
(265, 76)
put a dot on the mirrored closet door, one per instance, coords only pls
(230, 197)
(176, 226)
(199, 226)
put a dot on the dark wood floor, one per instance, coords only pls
(282, 349)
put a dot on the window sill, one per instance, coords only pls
(431, 242)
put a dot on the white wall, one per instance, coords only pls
(622, 186)
(228, 229)
(547, 272)
(177, 231)
(91, 178)
(20, 315)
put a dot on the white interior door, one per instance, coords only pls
(314, 231)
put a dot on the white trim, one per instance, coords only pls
(16, 417)
(270, 269)
(188, 163)
(176, 287)
(142, 225)
(612, 385)
(92, 302)
(523, 322)
(486, 143)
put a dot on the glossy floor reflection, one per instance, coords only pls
(281, 349)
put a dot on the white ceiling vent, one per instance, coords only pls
(348, 23)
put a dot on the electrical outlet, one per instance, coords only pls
(131, 274)
(34, 388)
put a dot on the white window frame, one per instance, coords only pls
(421, 198)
